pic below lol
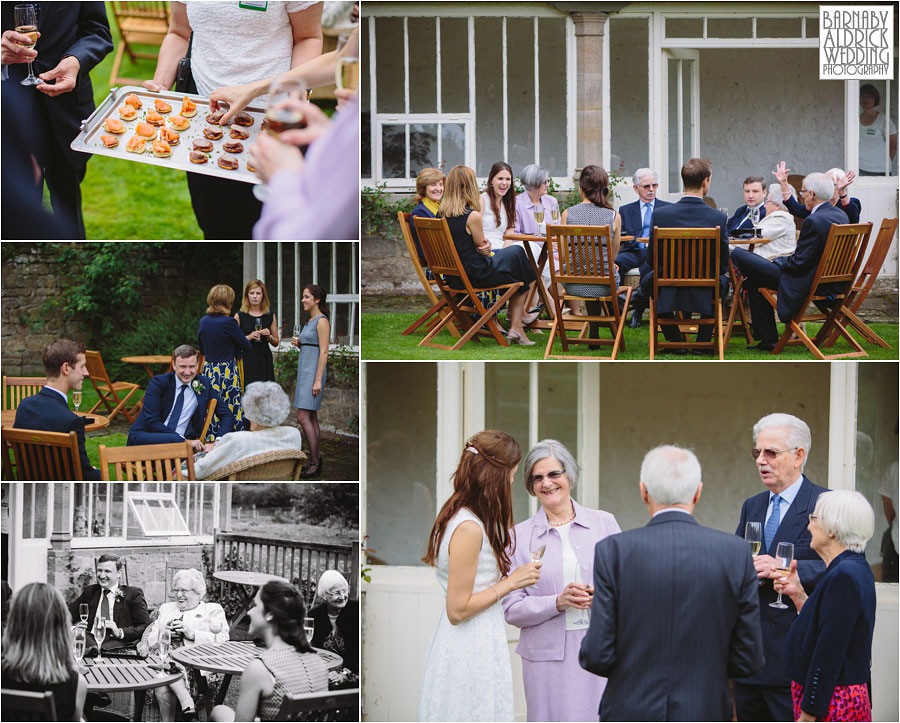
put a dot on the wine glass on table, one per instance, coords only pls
(554, 215)
(78, 642)
(76, 399)
(539, 218)
(753, 536)
(784, 555)
(165, 642)
(309, 627)
(99, 634)
(346, 72)
(83, 613)
(26, 24)
(283, 114)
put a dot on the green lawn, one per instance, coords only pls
(382, 339)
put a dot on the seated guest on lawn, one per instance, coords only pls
(288, 665)
(37, 650)
(266, 406)
(190, 621)
(498, 205)
(790, 275)
(337, 627)
(777, 225)
(754, 197)
(48, 410)
(175, 404)
(690, 212)
(461, 199)
(429, 189)
(839, 199)
(535, 198)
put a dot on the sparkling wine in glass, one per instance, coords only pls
(76, 398)
(165, 642)
(282, 114)
(26, 24)
(535, 546)
(753, 536)
(78, 643)
(83, 612)
(784, 555)
(257, 326)
(346, 72)
(309, 627)
(554, 215)
(582, 577)
(754, 220)
(99, 634)
(296, 335)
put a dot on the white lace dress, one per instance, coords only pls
(467, 670)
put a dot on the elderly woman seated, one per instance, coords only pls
(777, 225)
(336, 627)
(189, 621)
(266, 406)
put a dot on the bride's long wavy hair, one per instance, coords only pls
(481, 484)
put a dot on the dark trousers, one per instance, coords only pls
(64, 184)
(759, 273)
(763, 702)
(153, 438)
(670, 331)
(224, 209)
(630, 259)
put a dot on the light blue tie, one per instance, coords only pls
(645, 220)
(774, 521)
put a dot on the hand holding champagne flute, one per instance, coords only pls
(26, 24)
(283, 113)
(536, 547)
(784, 556)
(753, 535)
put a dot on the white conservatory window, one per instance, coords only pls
(157, 514)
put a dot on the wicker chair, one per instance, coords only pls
(278, 465)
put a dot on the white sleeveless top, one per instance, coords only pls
(493, 232)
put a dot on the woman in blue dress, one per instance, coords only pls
(313, 345)
(221, 342)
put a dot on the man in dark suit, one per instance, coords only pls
(754, 197)
(74, 37)
(675, 610)
(636, 222)
(791, 275)
(175, 405)
(781, 448)
(48, 410)
(690, 212)
(123, 606)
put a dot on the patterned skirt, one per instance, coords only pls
(226, 380)
(848, 702)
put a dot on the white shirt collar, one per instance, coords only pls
(671, 509)
(789, 493)
(53, 389)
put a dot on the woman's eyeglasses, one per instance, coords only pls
(536, 479)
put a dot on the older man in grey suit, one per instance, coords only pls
(675, 611)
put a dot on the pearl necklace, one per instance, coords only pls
(564, 522)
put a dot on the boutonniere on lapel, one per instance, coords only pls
(197, 386)
(120, 594)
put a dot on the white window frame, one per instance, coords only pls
(153, 502)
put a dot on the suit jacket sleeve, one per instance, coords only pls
(598, 647)
(852, 209)
(795, 208)
(240, 341)
(153, 410)
(745, 654)
(807, 253)
(73, 606)
(140, 616)
(94, 39)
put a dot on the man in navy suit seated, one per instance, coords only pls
(690, 212)
(636, 222)
(791, 275)
(48, 410)
(781, 449)
(175, 405)
(754, 197)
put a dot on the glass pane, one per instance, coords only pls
(453, 145)
(35, 522)
(345, 254)
(393, 151)
(778, 27)
(366, 114)
(422, 147)
(687, 108)
(117, 511)
(400, 459)
(812, 27)
(875, 130)
(389, 69)
(454, 65)
(876, 462)
(422, 59)
(520, 47)
(629, 85)
(674, 131)
(553, 111)
(488, 95)
(729, 27)
(506, 407)
(558, 402)
(684, 27)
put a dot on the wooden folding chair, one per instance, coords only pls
(108, 391)
(44, 456)
(439, 305)
(841, 260)
(15, 389)
(338, 705)
(580, 251)
(686, 258)
(440, 252)
(210, 412)
(140, 23)
(27, 705)
(148, 462)
(863, 285)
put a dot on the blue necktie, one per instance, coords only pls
(774, 521)
(645, 221)
(176, 410)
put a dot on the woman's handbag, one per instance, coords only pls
(184, 79)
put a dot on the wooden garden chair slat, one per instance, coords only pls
(140, 23)
(147, 462)
(15, 389)
(342, 705)
(44, 456)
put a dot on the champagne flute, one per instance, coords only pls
(309, 627)
(83, 612)
(753, 535)
(346, 72)
(539, 217)
(784, 554)
(257, 326)
(754, 219)
(26, 24)
(78, 641)
(554, 215)
(296, 335)
(581, 576)
(535, 546)
(99, 634)
(165, 642)
(282, 114)
(76, 399)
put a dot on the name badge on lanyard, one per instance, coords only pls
(252, 5)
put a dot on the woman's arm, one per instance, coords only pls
(474, 226)
(523, 607)
(324, 332)
(273, 331)
(80, 693)
(174, 47)
(564, 217)
(256, 681)
(251, 336)
(617, 236)
(215, 614)
(893, 145)
(306, 26)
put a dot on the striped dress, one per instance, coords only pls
(294, 673)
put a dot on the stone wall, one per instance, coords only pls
(340, 411)
(385, 266)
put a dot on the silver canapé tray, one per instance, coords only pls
(88, 140)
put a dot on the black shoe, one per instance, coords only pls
(762, 346)
(635, 322)
(674, 352)
(189, 714)
(311, 469)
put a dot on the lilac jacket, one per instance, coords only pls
(533, 609)
(525, 222)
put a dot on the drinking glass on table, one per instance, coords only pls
(83, 612)
(78, 642)
(26, 24)
(554, 215)
(283, 113)
(309, 627)
(165, 642)
(99, 634)
(539, 217)
(784, 555)
(76, 398)
(346, 72)
(753, 536)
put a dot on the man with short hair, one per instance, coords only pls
(791, 275)
(754, 197)
(636, 218)
(675, 611)
(175, 405)
(48, 410)
(690, 212)
(781, 449)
